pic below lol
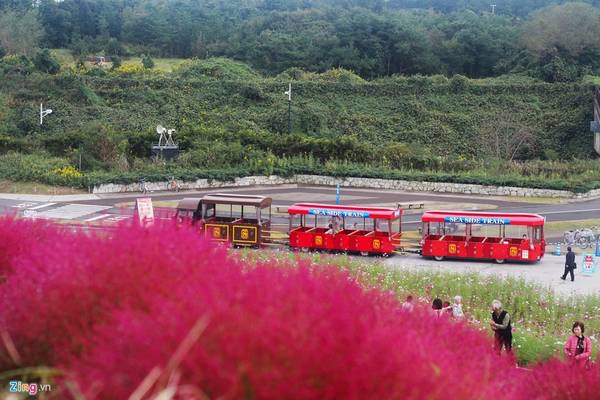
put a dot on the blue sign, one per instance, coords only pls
(478, 220)
(338, 213)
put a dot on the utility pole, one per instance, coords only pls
(289, 94)
(493, 8)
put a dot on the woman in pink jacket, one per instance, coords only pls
(578, 348)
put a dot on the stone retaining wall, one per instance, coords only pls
(413, 186)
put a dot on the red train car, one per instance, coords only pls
(365, 230)
(483, 235)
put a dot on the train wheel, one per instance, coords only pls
(364, 253)
(438, 258)
(499, 261)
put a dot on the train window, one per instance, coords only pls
(210, 211)
(396, 226)
(354, 223)
(295, 220)
(515, 231)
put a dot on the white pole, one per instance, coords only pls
(41, 114)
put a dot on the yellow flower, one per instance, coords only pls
(67, 171)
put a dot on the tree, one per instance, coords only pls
(20, 32)
(44, 62)
(116, 62)
(147, 62)
(570, 31)
(114, 47)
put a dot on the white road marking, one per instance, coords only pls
(24, 205)
(72, 211)
(568, 211)
(96, 218)
(41, 206)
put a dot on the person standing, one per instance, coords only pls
(578, 348)
(502, 328)
(437, 306)
(408, 304)
(569, 265)
(457, 311)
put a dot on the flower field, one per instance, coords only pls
(157, 313)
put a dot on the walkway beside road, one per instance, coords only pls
(546, 272)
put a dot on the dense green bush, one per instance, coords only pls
(44, 62)
(218, 68)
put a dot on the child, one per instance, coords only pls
(408, 304)
(447, 308)
(457, 311)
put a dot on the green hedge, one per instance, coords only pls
(40, 168)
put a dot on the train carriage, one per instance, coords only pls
(483, 235)
(364, 230)
(238, 219)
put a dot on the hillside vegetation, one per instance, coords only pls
(226, 114)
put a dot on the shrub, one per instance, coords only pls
(114, 48)
(282, 332)
(198, 321)
(340, 75)
(100, 272)
(116, 62)
(130, 69)
(67, 171)
(218, 68)
(16, 64)
(17, 238)
(44, 62)
(556, 380)
(147, 62)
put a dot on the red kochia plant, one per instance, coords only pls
(558, 380)
(117, 313)
(17, 237)
(285, 333)
(67, 283)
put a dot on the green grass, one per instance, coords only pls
(160, 64)
(36, 188)
(541, 320)
(64, 57)
(557, 228)
(592, 79)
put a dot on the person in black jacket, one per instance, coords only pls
(569, 265)
(502, 328)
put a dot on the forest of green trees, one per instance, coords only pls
(550, 40)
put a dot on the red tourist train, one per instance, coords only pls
(365, 230)
(243, 220)
(483, 235)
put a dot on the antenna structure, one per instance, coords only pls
(166, 148)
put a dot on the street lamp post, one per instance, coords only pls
(289, 94)
(44, 113)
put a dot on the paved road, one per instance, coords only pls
(94, 208)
